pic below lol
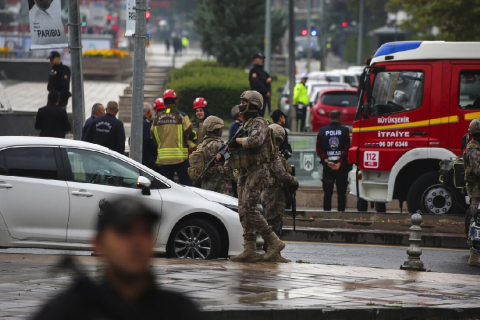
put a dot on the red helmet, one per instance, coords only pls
(159, 104)
(169, 93)
(199, 103)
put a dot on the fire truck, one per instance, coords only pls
(416, 104)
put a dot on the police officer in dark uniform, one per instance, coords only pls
(236, 123)
(260, 80)
(107, 130)
(59, 79)
(149, 146)
(333, 142)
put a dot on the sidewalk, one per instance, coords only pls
(226, 290)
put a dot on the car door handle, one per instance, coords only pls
(5, 185)
(82, 193)
(418, 133)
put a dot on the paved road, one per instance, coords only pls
(385, 257)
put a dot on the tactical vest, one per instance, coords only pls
(198, 159)
(472, 180)
(245, 158)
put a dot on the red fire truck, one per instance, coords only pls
(417, 102)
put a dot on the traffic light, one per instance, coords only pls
(344, 24)
(304, 32)
(84, 21)
(313, 33)
(148, 15)
(109, 19)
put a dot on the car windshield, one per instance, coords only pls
(397, 91)
(302, 42)
(340, 99)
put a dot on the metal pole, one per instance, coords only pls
(23, 13)
(323, 40)
(291, 63)
(268, 35)
(360, 34)
(309, 26)
(138, 80)
(78, 101)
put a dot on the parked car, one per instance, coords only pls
(343, 99)
(50, 191)
(319, 86)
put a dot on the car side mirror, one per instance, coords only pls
(144, 184)
(366, 110)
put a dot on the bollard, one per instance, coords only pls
(414, 251)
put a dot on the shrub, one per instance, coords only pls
(220, 86)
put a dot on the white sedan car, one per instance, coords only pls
(50, 190)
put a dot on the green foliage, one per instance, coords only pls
(220, 86)
(457, 20)
(234, 30)
(350, 54)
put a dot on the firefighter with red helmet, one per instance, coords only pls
(158, 106)
(171, 129)
(201, 113)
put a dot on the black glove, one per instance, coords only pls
(294, 187)
(191, 136)
(234, 144)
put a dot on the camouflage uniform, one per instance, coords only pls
(280, 182)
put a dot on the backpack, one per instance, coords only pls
(198, 160)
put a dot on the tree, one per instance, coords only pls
(457, 20)
(233, 31)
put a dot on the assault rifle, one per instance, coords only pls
(293, 199)
(223, 151)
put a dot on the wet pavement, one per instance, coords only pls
(263, 290)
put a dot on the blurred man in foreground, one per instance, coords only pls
(125, 239)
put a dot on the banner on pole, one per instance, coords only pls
(131, 14)
(46, 25)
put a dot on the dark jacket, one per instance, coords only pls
(107, 131)
(149, 146)
(52, 121)
(333, 142)
(85, 126)
(258, 80)
(234, 126)
(285, 145)
(88, 300)
(59, 80)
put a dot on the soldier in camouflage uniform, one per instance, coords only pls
(471, 158)
(280, 182)
(251, 155)
(217, 178)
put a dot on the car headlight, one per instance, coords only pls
(321, 111)
(230, 206)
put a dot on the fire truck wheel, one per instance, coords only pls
(428, 195)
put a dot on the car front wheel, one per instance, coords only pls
(194, 239)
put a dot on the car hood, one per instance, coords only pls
(215, 196)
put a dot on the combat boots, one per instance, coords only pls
(474, 259)
(249, 253)
(275, 245)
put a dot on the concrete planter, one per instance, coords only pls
(115, 69)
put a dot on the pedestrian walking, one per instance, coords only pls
(107, 130)
(301, 102)
(59, 79)
(260, 81)
(98, 110)
(159, 106)
(278, 117)
(236, 123)
(52, 120)
(167, 45)
(217, 178)
(471, 158)
(251, 155)
(279, 186)
(333, 142)
(185, 43)
(177, 45)
(127, 288)
(171, 129)
(149, 150)
(201, 114)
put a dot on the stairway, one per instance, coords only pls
(155, 80)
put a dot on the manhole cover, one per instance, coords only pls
(442, 297)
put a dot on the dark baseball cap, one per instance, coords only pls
(120, 213)
(258, 55)
(277, 114)
(53, 55)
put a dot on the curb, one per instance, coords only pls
(353, 313)
(396, 238)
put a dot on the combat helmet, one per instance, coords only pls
(254, 101)
(278, 131)
(212, 123)
(474, 126)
